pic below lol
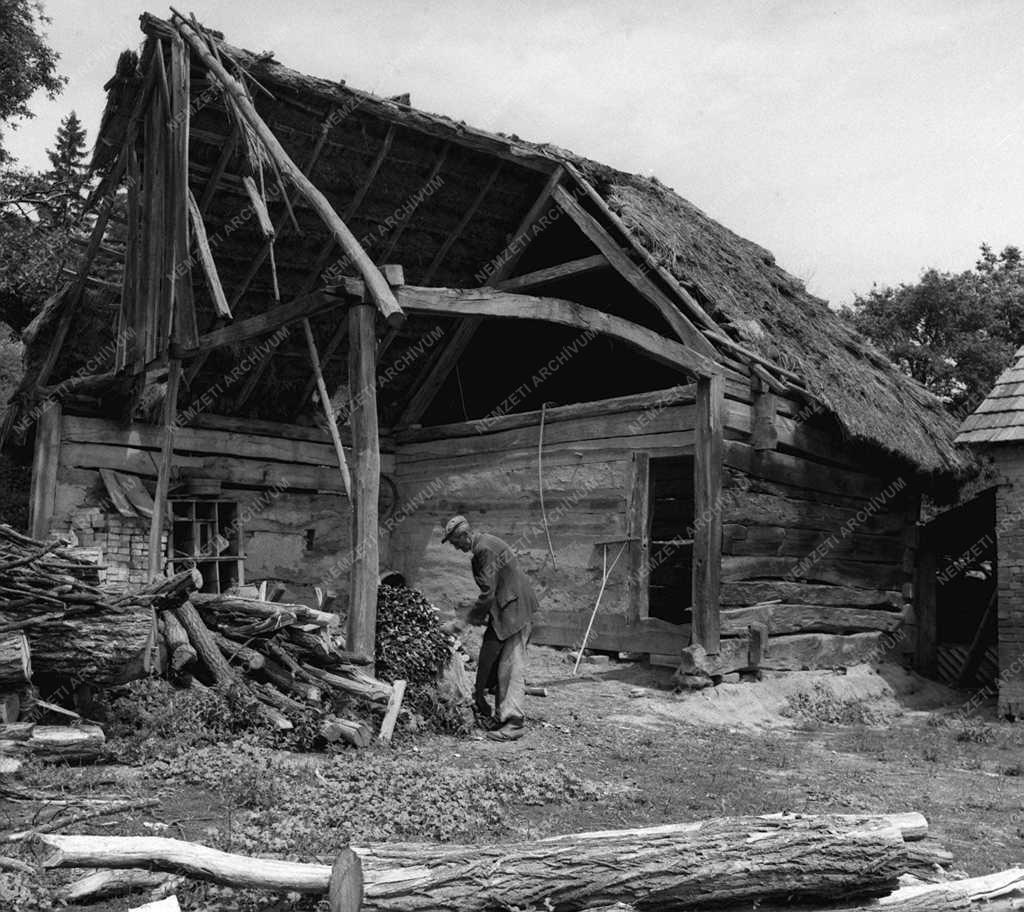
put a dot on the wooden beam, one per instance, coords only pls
(182, 325)
(458, 230)
(45, 462)
(764, 435)
(707, 536)
(308, 305)
(338, 336)
(332, 424)
(638, 523)
(486, 302)
(554, 273)
(622, 264)
(223, 160)
(365, 569)
(436, 372)
(156, 527)
(206, 262)
(379, 289)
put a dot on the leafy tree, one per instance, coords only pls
(954, 332)
(27, 62)
(69, 172)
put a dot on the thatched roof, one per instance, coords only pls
(381, 153)
(1000, 417)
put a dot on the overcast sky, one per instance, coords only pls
(859, 142)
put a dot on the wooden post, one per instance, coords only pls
(156, 527)
(707, 537)
(45, 461)
(345, 890)
(927, 616)
(362, 381)
(638, 523)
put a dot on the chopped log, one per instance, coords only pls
(15, 661)
(387, 727)
(10, 707)
(316, 645)
(263, 609)
(167, 904)
(103, 884)
(284, 680)
(248, 659)
(738, 861)
(358, 734)
(345, 890)
(353, 681)
(201, 638)
(273, 705)
(180, 651)
(52, 742)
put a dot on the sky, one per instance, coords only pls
(860, 142)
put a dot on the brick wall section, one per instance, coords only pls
(122, 543)
(1009, 462)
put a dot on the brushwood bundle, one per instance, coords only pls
(410, 642)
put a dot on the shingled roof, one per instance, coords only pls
(1000, 417)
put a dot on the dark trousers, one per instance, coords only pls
(487, 670)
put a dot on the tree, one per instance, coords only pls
(27, 62)
(69, 172)
(954, 332)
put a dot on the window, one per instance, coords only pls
(207, 534)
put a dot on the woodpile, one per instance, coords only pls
(849, 862)
(290, 660)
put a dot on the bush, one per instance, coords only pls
(821, 706)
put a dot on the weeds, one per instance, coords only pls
(820, 706)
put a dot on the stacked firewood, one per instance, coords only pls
(289, 659)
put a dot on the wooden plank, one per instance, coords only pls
(643, 404)
(622, 264)
(764, 436)
(365, 572)
(787, 619)
(485, 302)
(45, 461)
(206, 262)
(858, 574)
(200, 440)
(458, 230)
(183, 326)
(259, 427)
(755, 592)
(156, 528)
(707, 486)
(226, 153)
(429, 383)
(136, 493)
(248, 473)
(926, 611)
(379, 289)
(803, 473)
(638, 525)
(611, 632)
(549, 274)
(784, 541)
(757, 508)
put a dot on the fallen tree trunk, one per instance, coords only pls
(52, 742)
(15, 661)
(733, 860)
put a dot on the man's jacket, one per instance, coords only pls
(505, 591)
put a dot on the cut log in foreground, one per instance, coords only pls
(52, 742)
(733, 860)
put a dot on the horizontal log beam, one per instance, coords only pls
(554, 273)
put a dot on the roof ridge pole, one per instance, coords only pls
(376, 284)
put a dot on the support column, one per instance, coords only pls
(45, 461)
(362, 381)
(163, 478)
(707, 536)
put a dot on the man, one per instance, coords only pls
(508, 602)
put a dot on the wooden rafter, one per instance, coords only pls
(378, 288)
(340, 332)
(226, 152)
(458, 230)
(256, 374)
(622, 264)
(396, 235)
(434, 374)
(554, 273)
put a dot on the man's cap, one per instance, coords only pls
(452, 526)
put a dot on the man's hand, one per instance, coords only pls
(476, 615)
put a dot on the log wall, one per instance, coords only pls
(295, 518)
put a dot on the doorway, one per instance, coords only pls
(671, 510)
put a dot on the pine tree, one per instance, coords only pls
(69, 171)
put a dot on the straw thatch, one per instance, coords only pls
(735, 281)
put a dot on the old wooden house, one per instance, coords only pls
(643, 403)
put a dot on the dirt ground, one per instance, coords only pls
(613, 746)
